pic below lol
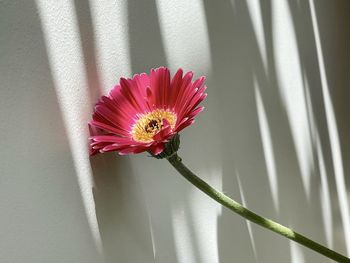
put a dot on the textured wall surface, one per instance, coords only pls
(274, 135)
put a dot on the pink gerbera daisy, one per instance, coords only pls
(145, 112)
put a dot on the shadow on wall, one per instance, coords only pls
(236, 60)
(43, 218)
(237, 66)
(145, 40)
(335, 41)
(339, 64)
(121, 210)
(302, 22)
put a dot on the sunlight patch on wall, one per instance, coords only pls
(205, 214)
(266, 139)
(112, 41)
(296, 253)
(59, 24)
(325, 198)
(195, 223)
(290, 82)
(154, 247)
(249, 224)
(185, 35)
(182, 235)
(254, 8)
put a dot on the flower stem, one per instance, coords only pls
(176, 161)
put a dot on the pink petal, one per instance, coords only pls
(108, 128)
(110, 138)
(184, 125)
(157, 148)
(175, 83)
(162, 134)
(195, 112)
(185, 83)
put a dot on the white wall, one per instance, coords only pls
(274, 134)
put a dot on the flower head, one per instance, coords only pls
(145, 112)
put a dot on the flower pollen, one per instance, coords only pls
(151, 123)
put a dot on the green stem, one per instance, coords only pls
(175, 160)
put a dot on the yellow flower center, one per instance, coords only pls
(150, 123)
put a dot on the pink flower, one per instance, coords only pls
(143, 113)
